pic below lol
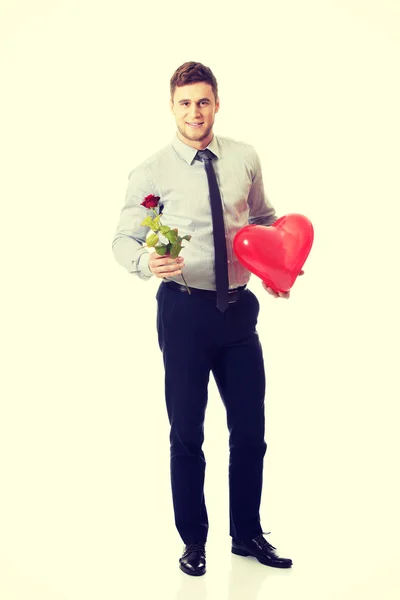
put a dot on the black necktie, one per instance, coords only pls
(221, 259)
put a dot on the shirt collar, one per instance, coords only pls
(188, 152)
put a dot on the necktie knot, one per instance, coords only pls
(204, 155)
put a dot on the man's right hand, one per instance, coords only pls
(165, 266)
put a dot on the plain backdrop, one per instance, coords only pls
(85, 504)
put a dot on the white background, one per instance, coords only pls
(85, 508)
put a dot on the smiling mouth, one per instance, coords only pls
(194, 125)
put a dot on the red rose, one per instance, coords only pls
(150, 201)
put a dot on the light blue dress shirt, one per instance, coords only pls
(181, 182)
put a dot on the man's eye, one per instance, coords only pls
(203, 103)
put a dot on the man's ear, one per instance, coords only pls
(171, 105)
(217, 105)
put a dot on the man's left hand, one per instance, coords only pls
(278, 294)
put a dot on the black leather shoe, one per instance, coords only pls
(193, 560)
(262, 551)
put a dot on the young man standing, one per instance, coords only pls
(209, 187)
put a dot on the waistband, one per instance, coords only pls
(211, 294)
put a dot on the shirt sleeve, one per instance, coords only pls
(130, 236)
(261, 210)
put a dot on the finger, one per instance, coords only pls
(167, 264)
(170, 268)
(165, 260)
(270, 290)
(171, 274)
(167, 271)
(166, 274)
(274, 293)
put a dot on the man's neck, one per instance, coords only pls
(200, 145)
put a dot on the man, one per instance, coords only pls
(212, 329)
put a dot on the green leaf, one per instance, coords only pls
(152, 240)
(176, 248)
(172, 236)
(153, 225)
(161, 250)
(146, 222)
(156, 221)
(187, 237)
(164, 229)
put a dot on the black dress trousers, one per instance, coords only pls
(197, 339)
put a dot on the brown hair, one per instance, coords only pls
(193, 72)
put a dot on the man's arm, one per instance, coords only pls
(262, 213)
(261, 210)
(130, 235)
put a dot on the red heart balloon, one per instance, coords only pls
(276, 253)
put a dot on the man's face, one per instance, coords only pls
(194, 108)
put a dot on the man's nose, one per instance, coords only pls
(194, 112)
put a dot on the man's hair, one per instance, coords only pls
(193, 72)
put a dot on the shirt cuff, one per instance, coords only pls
(143, 264)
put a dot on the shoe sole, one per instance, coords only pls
(239, 552)
(196, 574)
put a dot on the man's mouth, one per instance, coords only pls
(194, 125)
